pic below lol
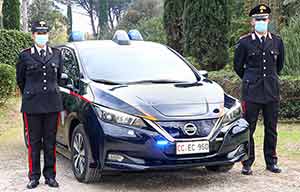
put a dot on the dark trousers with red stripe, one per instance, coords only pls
(41, 134)
(270, 116)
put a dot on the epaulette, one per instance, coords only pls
(27, 49)
(244, 36)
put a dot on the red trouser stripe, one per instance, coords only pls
(29, 145)
(244, 106)
(57, 125)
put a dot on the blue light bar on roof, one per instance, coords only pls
(135, 35)
(121, 37)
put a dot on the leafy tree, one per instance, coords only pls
(90, 7)
(290, 35)
(141, 10)
(11, 14)
(103, 17)
(46, 10)
(152, 30)
(206, 27)
(24, 8)
(117, 9)
(173, 23)
(291, 8)
(70, 19)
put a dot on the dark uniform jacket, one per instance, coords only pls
(38, 80)
(258, 65)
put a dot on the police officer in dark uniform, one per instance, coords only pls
(258, 60)
(38, 72)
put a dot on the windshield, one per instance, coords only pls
(125, 64)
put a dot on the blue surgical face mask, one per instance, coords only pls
(261, 26)
(41, 39)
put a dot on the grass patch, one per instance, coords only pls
(10, 116)
(288, 139)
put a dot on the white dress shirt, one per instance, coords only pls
(260, 36)
(39, 49)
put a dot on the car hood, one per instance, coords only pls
(165, 101)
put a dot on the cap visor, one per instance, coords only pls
(261, 16)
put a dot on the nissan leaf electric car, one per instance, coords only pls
(132, 105)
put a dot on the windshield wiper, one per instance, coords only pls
(197, 83)
(107, 82)
(159, 81)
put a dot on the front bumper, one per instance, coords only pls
(139, 149)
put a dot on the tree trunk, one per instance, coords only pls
(93, 23)
(25, 15)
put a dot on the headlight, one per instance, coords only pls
(117, 117)
(232, 114)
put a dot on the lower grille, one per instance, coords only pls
(181, 129)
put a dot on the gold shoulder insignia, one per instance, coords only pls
(244, 36)
(23, 50)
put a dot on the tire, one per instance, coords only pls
(82, 157)
(220, 168)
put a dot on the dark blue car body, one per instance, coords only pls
(164, 112)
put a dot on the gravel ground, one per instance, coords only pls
(13, 169)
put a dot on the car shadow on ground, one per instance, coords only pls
(164, 179)
(170, 179)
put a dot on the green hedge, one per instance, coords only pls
(7, 82)
(290, 91)
(11, 43)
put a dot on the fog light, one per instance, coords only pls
(162, 142)
(115, 157)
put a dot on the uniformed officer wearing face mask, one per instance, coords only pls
(258, 60)
(38, 72)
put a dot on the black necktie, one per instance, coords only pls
(263, 39)
(42, 54)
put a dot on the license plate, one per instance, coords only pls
(192, 147)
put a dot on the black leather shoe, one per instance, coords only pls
(246, 170)
(33, 184)
(273, 168)
(51, 183)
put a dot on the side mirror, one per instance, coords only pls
(203, 73)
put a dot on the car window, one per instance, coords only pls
(131, 63)
(70, 65)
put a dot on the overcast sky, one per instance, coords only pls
(81, 22)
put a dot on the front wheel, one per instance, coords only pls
(220, 168)
(82, 157)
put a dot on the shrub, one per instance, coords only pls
(206, 27)
(289, 89)
(11, 14)
(11, 43)
(291, 37)
(7, 82)
(153, 30)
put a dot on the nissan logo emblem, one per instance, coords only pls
(190, 129)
